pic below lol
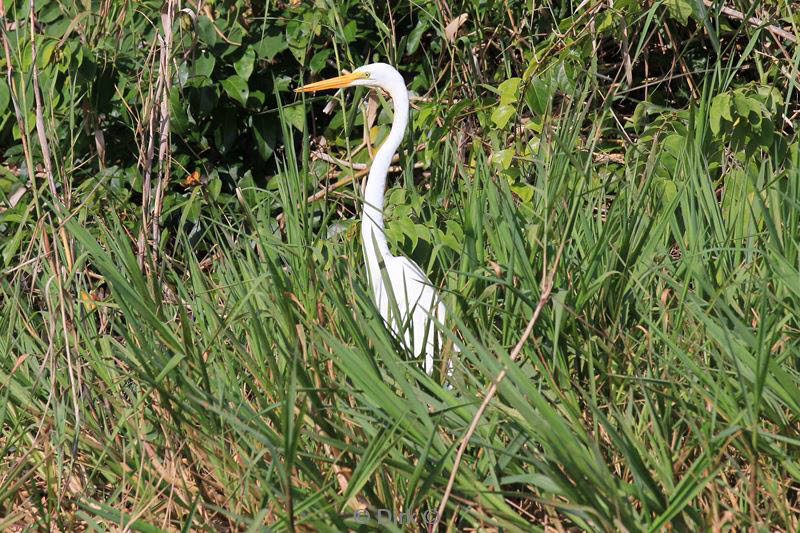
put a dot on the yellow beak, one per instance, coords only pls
(332, 83)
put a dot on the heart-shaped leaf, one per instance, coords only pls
(236, 88)
(244, 66)
(502, 114)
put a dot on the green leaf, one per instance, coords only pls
(640, 115)
(299, 52)
(178, 118)
(770, 97)
(297, 39)
(448, 240)
(244, 66)
(256, 97)
(503, 158)
(206, 30)
(8, 181)
(406, 229)
(423, 232)
(214, 186)
(675, 144)
(236, 88)
(317, 62)
(605, 21)
(295, 116)
(524, 191)
(509, 90)
(48, 13)
(564, 77)
(720, 108)
(12, 245)
(414, 37)
(680, 10)
(453, 237)
(726, 107)
(282, 83)
(350, 31)
(204, 64)
(269, 46)
(668, 190)
(745, 105)
(5, 95)
(45, 52)
(537, 96)
(502, 114)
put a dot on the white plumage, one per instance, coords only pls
(416, 302)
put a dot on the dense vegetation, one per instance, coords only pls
(608, 194)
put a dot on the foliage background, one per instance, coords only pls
(607, 192)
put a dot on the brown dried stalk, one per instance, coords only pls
(756, 22)
(164, 153)
(58, 203)
(157, 117)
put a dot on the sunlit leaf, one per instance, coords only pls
(236, 88)
(502, 114)
(204, 64)
(415, 35)
(720, 108)
(244, 65)
(509, 90)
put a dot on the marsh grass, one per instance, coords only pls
(252, 383)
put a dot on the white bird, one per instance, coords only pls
(403, 282)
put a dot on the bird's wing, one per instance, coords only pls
(412, 288)
(418, 305)
(429, 300)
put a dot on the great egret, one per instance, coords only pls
(403, 282)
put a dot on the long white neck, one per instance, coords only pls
(372, 229)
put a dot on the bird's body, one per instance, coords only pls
(418, 303)
(405, 297)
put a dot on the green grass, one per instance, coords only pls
(242, 377)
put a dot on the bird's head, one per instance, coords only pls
(376, 75)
